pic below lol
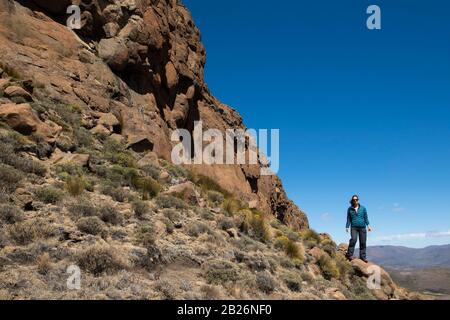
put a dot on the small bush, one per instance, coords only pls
(82, 208)
(91, 225)
(9, 178)
(49, 194)
(9, 156)
(256, 226)
(220, 271)
(149, 187)
(28, 231)
(166, 288)
(232, 206)
(170, 227)
(306, 276)
(328, 267)
(116, 193)
(152, 171)
(293, 281)
(168, 201)
(207, 184)
(311, 237)
(345, 268)
(99, 260)
(194, 229)
(69, 169)
(44, 264)
(110, 214)
(265, 282)
(147, 235)
(176, 171)
(226, 223)
(205, 214)
(83, 137)
(215, 198)
(75, 185)
(360, 290)
(211, 292)
(10, 214)
(172, 214)
(292, 249)
(140, 208)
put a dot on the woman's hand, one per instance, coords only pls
(370, 228)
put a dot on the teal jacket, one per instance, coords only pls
(357, 219)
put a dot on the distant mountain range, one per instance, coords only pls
(403, 257)
(426, 270)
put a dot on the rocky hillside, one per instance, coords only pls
(86, 178)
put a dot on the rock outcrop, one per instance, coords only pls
(138, 63)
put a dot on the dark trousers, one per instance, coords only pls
(362, 234)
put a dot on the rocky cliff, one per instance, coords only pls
(86, 180)
(141, 61)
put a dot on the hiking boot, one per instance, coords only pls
(350, 258)
(365, 260)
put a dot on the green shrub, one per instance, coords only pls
(220, 271)
(91, 225)
(110, 214)
(345, 268)
(116, 193)
(176, 171)
(140, 208)
(75, 185)
(167, 289)
(265, 282)
(99, 260)
(69, 169)
(232, 206)
(152, 171)
(147, 235)
(9, 156)
(311, 237)
(10, 214)
(49, 194)
(83, 137)
(328, 267)
(194, 229)
(293, 280)
(205, 214)
(28, 231)
(172, 214)
(207, 184)
(9, 178)
(149, 187)
(168, 201)
(292, 249)
(226, 223)
(256, 226)
(82, 208)
(44, 263)
(170, 227)
(215, 198)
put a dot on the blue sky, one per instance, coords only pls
(359, 111)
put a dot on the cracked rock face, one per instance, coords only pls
(143, 62)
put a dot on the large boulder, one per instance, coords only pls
(186, 190)
(114, 51)
(387, 287)
(17, 92)
(23, 119)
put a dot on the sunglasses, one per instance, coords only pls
(355, 200)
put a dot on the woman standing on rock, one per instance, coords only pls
(358, 220)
